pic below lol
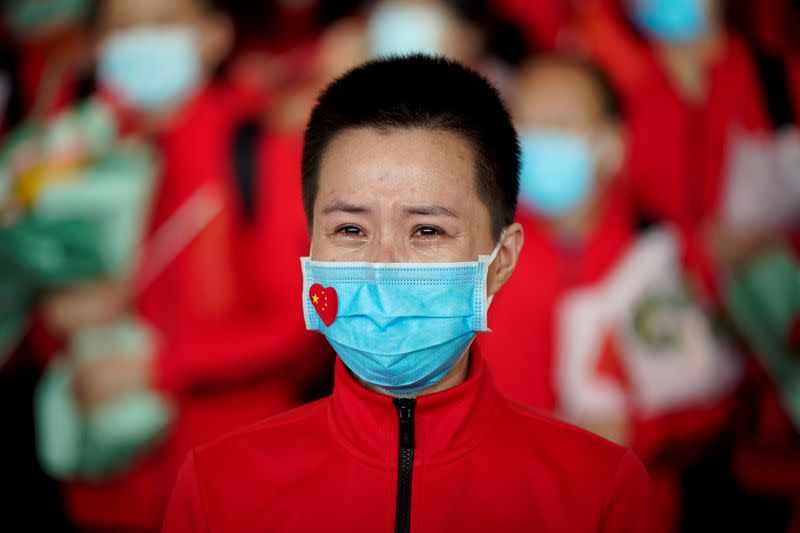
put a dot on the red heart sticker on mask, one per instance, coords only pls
(325, 301)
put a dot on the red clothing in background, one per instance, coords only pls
(543, 22)
(481, 463)
(234, 348)
(553, 25)
(520, 350)
(525, 342)
(679, 150)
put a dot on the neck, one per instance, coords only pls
(159, 122)
(576, 225)
(686, 64)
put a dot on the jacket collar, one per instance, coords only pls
(446, 424)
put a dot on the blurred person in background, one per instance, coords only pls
(599, 325)
(217, 283)
(706, 113)
(474, 33)
(45, 66)
(45, 58)
(713, 95)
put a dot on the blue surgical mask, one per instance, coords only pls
(151, 68)
(670, 21)
(401, 29)
(398, 326)
(557, 171)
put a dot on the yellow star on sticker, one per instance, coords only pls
(315, 298)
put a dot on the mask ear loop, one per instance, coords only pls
(486, 300)
(496, 250)
(308, 316)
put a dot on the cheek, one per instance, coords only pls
(323, 247)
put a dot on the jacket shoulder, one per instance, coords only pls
(286, 431)
(561, 442)
(612, 480)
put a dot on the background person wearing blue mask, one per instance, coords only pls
(572, 208)
(410, 185)
(586, 272)
(713, 131)
(215, 281)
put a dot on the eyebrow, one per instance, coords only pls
(339, 206)
(344, 207)
(431, 210)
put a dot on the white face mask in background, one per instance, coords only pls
(406, 29)
(151, 68)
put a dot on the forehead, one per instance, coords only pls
(415, 163)
(549, 90)
(148, 11)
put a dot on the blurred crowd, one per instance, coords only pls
(151, 225)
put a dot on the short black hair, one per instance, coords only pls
(420, 91)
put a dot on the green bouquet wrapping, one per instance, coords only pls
(764, 301)
(96, 444)
(74, 200)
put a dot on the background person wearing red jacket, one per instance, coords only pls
(410, 173)
(712, 93)
(217, 287)
(706, 110)
(586, 272)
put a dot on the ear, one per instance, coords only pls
(216, 39)
(610, 151)
(506, 261)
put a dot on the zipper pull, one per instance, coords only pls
(405, 412)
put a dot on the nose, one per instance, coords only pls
(386, 250)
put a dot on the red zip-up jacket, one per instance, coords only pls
(464, 459)
(234, 348)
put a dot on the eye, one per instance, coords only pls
(428, 231)
(349, 230)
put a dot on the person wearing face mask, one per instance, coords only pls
(403, 27)
(410, 191)
(714, 138)
(722, 110)
(474, 33)
(601, 298)
(224, 343)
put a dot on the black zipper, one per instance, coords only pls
(405, 463)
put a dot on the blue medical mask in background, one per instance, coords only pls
(405, 29)
(670, 21)
(151, 68)
(399, 326)
(557, 171)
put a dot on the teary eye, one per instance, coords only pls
(428, 231)
(349, 230)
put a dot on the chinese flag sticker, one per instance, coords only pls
(325, 302)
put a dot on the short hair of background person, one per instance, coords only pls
(429, 93)
(568, 94)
